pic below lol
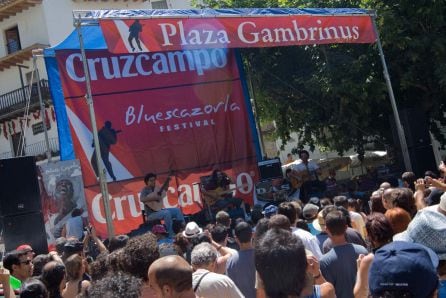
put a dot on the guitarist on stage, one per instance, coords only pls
(152, 197)
(218, 195)
(309, 171)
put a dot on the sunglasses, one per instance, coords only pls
(27, 262)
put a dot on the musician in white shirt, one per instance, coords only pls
(309, 171)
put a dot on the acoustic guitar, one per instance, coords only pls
(213, 196)
(298, 178)
(157, 205)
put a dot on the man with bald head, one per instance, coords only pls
(387, 198)
(171, 276)
(385, 185)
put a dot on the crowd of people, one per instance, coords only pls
(392, 245)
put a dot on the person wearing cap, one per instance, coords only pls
(71, 247)
(269, 211)
(19, 268)
(310, 212)
(338, 266)
(27, 249)
(192, 230)
(161, 234)
(429, 229)
(398, 269)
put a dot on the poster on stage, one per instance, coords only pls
(62, 192)
(179, 112)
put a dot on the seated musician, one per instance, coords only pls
(218, 195)
(152, 197)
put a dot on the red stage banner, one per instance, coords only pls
(168, 34)
(182, 112)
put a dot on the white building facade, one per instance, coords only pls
(27, 25)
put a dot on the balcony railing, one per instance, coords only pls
(36, 149)
(15, 100)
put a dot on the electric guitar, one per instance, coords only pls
(157, 205)
(212, 196)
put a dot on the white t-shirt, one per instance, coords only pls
(312, 167)
(75, 227)
(214, 285)
(310, 241)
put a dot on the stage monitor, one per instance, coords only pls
(270, 169)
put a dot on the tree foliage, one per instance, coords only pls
(335, 96)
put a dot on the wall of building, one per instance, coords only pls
(59, 17)
(14, 126)
(32, 28)
(49, 23)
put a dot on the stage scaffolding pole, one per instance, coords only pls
(37, 53)
(89, 98)
(399, 127)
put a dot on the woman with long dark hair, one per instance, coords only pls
(53, 276)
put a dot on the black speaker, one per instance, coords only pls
(416, 127)
(416, 130)
(422, 159)
(25, 229)
(270, 169)
(19, 187)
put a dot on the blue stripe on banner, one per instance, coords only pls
(63, 129)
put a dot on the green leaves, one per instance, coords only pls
(335, 96)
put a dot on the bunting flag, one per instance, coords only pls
(10, 130)
(47, 117)
(53, 114)
(5, 131)
(36, 115)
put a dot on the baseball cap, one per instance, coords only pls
(159, 229)
(399, 265)
(73, 246)
(314, 201)
(24, 248)
(428, 228)
(270, 210)
(310, 211)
